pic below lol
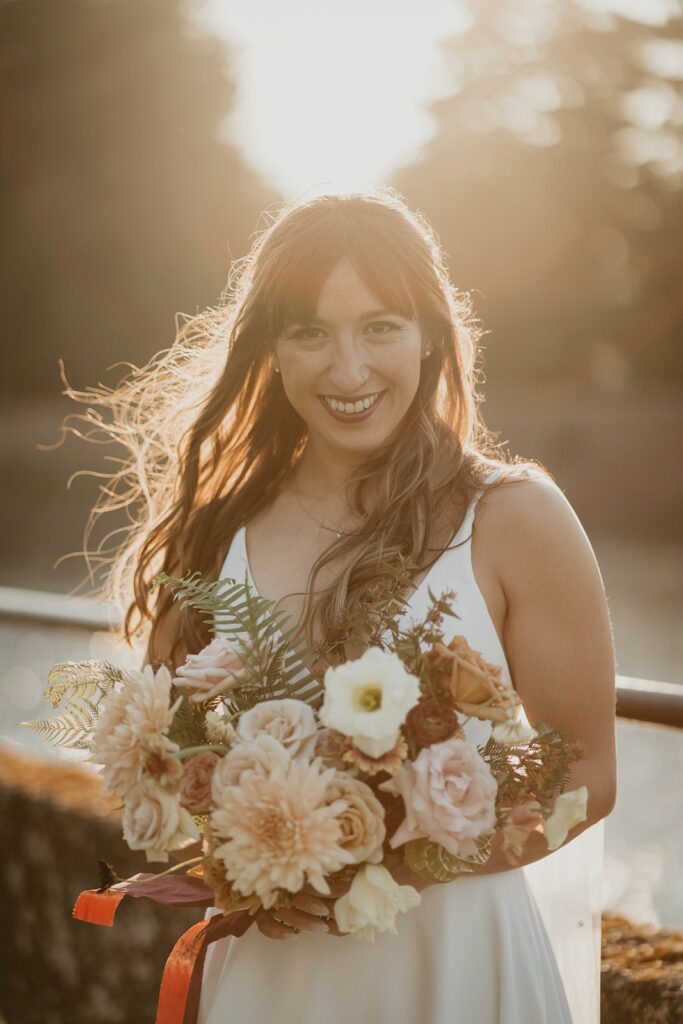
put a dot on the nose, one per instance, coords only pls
(348, 371)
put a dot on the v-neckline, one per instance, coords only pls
(242, 534)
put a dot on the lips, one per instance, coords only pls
(345, 417)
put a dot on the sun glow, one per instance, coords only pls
(334, 96)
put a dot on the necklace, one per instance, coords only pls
(333, 529)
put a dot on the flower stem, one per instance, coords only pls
(188, 751)
(160, 874)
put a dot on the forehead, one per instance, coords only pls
(344, 293)
(319, 285)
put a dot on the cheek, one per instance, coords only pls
(402, 370)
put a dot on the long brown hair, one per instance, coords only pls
(210, 435)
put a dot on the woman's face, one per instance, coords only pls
(354, 352)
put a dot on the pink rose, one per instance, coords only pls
(195, 786)
(516, 826)
(215, 670)
(449, 795)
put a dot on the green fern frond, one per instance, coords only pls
(277, 662)
(92, 680)
(72, 729)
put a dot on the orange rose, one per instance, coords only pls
(475, 685)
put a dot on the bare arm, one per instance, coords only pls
(557, 637)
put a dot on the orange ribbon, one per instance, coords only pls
(182, 979)
(97, 907)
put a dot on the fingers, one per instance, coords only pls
(271, 928)
(300, 919)
(311, 904)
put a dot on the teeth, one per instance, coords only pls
(352, 407)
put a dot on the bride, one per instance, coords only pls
(322, 419)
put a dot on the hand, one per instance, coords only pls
(401, 873)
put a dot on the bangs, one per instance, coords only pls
(298, 274)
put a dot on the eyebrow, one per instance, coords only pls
(365, 316)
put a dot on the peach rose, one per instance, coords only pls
(291, 722)
(449, 795)
(362, 822)
(195, 787)
(474, 684)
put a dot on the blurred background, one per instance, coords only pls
(144, 141)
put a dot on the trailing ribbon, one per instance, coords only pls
(97, 907)
(181, 982)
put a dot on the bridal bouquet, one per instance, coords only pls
(300, 770)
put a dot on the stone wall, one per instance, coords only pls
(55, 969)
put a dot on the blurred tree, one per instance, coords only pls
(120, 204)
(554, 179)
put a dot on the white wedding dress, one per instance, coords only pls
(520, 946)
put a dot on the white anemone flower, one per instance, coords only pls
(368, 700)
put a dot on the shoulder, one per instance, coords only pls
(533, 533)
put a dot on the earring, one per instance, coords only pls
(277, 369)
(428, 353)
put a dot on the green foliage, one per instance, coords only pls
(539, 769)
(187, 727)
(277, 663)
(72, 729)
(377, 616)
(91, 680)
(83, 685)
(433, 862)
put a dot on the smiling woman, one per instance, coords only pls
(329, 410)
(369, 368)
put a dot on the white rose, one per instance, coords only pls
(513, 732)
(256, 756)
(368, 700)
(289, 721)
(569, 810)
(154, 821)
(373, 903)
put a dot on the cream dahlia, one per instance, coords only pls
(132, 723)
(279, 829)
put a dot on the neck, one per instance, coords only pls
(322, 479)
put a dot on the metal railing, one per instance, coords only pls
(642, 700)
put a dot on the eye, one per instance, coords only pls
(304, 332)
(383, 323)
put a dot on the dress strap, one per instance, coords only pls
(464, 533)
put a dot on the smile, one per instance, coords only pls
(352, 411)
